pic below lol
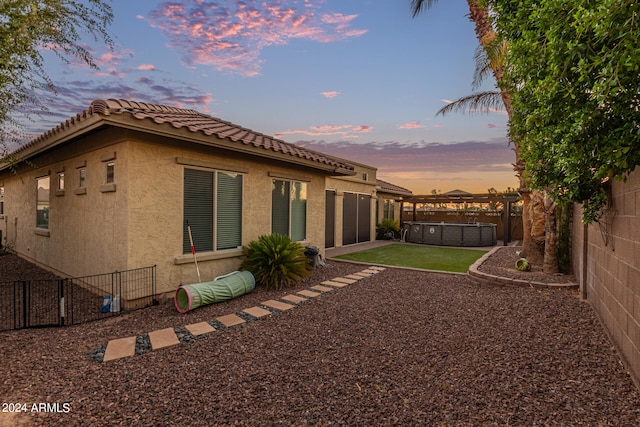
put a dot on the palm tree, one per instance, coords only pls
(490, 58)
(486, 35)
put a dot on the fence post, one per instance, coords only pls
(25, 305)
(153, 285)
(15, 302)
(116, 300)
(61, 297)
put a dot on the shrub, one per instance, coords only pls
(387, 229)
(275, 261)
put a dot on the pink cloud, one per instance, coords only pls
(330, 94)
(114, 58)
(110, 72)
(146, 67)
(230, 36)
(346, 131)
(412, 125)
(337, 18)
(330, 128)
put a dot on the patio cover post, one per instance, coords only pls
(506, 223)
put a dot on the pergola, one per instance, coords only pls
(459, 197)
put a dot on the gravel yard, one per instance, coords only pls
(403, 347)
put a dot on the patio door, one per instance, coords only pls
(364, 218)
(356, 218)
(330, 219)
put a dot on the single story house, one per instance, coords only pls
(115, 187)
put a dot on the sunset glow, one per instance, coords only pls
(362, 82)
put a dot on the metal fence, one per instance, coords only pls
(58, 302)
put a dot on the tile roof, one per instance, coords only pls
(195, 122)
(387, 187)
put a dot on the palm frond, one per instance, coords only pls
(481, 102)
(418, 6)
(489, 59)
(483, 69)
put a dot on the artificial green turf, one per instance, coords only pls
(427, 257)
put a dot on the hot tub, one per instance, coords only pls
(450, 234)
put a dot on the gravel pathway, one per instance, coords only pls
(400, 348)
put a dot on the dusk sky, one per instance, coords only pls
(358, 79)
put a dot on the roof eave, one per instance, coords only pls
(59, 137)
(90, 120)
(183, 134)
(344, 172)
(395, 193)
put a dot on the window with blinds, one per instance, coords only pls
(289, 209)
(212, 209)
(42, 202)
(229, 211)
(389, 209)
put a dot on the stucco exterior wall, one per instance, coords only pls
(137, 221)
(606, 260)
(363, 182)
(87, 229)
(156, 212)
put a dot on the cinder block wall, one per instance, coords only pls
(606, 261)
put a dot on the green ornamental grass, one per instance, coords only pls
(387, 229)
(426, 257)
(275, 261)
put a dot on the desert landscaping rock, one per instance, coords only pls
(143, 344)
(402, 347)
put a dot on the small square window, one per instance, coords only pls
(82, 176)
(110, 172)
(60, 181)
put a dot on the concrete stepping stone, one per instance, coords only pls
(230, 320)
(322, 288)
(294, 299)
(343, 280)
(258, 312)
(163, 338)
(200, 328)
(308, 293)
(334, 284)
(361, 275)
(126, 347)
(117, 349)
(278, 305)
